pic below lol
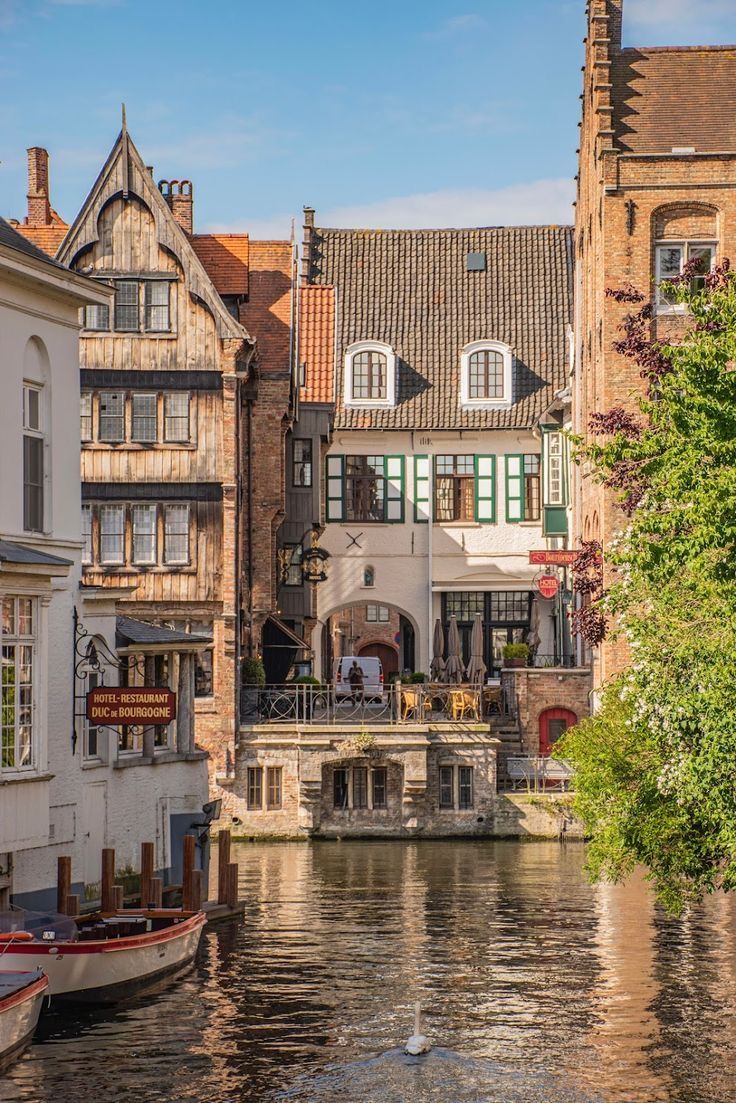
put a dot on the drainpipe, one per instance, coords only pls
(430, 550)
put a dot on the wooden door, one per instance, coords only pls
(553, 723)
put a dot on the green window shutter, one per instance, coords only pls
(335, 488)
(514, 489)
(393, 467)
(485, 489)
(421, 488)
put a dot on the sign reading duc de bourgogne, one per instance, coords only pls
(557, 557)
(141, 705)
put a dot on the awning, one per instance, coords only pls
(290, 638)
(139, 635)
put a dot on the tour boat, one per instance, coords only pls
(102, 958)
(21, 997)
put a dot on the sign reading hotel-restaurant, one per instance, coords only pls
(557, 557)
(144, 705)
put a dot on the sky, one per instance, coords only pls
(388, 113)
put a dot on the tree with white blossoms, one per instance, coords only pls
(656, 765)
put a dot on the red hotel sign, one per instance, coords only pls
(141, 705)
(548, 585)
(556, 558)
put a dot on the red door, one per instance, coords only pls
(553, 723)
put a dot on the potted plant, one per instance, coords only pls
(253, 679)
(417, 678)
(515, 655)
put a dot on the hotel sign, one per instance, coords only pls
(553, 558)
(139, 705)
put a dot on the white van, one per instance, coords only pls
(372, 677)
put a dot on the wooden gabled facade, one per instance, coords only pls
(161, 371)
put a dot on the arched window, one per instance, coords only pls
(370, 375)
(485, 374)
(553, 723)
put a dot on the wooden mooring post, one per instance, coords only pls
(157, 892)
(108, 879)
(223, 866)
(232, 885)
(147, 857)
(187, 877)
(63, 882)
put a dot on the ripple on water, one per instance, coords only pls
(535, 987)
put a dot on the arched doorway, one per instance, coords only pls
(388, 655)
(553, 723)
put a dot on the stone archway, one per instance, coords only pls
(367, 627)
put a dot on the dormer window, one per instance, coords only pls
(485, 368)
(370, 375)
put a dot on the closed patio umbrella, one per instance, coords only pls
(437, 669)
(454, 664)
(476, 671)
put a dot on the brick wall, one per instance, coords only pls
(537, 690)
(351, 629)
(624, 203)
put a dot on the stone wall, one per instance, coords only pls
(412, 758)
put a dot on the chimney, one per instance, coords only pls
(615, 23)
(39, 205)
(307, 233)
(180, 200)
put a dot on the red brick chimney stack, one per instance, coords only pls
(39, 204)
(179, 196)
(307, 232)
(615, 23)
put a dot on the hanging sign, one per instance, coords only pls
(548, 585)
(558, 557)
(139, 705)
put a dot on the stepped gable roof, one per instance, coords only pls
(225, 258)
(412, 290)
(317, 342)
(665, 97)
(267, 312)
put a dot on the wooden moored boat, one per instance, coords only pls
(102, 958)
(21, 998)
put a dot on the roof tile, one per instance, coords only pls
(317, 342)
(225, 258)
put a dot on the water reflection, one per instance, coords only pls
(535, 986)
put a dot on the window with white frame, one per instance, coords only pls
(377, 614)
(112, 535)
(87, 534)
(144, 534)
(176, 417)
(33, 458)
(671, 257)
(18, 678)
(176, 534)
(85, 415)
(554, 469)
(156, 300)
(486, 375)
(112, 416)
(370, 375)
(97, 317)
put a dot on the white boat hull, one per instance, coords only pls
(18, 1017)
(101, 972)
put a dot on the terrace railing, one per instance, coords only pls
(397, 703)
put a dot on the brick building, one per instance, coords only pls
(655, 188)
(183, 414)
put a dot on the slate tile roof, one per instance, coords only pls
(412, 290)
(225, 258)
(675, 96)
(267, 313)
(130, 632)
(317, 342)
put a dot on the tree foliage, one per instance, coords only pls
(656, 764)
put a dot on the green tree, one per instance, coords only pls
(656, 764)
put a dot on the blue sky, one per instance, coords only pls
(388, 113)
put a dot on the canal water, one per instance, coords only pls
(537, 987)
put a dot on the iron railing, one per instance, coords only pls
(397, 703)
